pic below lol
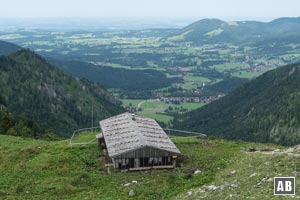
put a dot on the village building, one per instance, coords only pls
(134, 142)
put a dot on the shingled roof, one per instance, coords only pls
(127, 132)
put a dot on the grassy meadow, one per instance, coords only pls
(36, 169)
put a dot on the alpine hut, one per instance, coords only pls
(134, 142)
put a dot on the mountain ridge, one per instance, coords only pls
(109, 77)
(7, 48)
(265, 109)
(50, 98)
(215, 30)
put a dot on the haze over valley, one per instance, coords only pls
(180, 69)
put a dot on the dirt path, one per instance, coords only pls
(292, 151)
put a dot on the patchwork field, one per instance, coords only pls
(158, 109)
(195, 65)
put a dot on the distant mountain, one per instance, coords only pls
(30, 87)
(266, 109)
(109, 77)
(214, 30)
(7, 48)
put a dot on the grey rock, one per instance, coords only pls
(294, 173)
(231, 173)
(252, 175)
(212, 188)
(189, 193)
(131, 193)
(270, 179)
(127, 184)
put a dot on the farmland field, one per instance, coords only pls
(184, 70)
(157, 109)
(132, 50)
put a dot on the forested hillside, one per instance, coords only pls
(8, 48)
(19, 125)
(58, 103)
(266, 109)
(109, 77)
(227, 85)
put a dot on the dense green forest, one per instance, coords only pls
(266, 109)
(7, 48)
(227, 85)
(56, 102)
(109, 77)
(19, 125)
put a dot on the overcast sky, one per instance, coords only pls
(241, 9)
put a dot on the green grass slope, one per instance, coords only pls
(35, 169)
(266, 109)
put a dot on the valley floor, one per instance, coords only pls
(35, 169)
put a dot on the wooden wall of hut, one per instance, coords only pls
(144, 157)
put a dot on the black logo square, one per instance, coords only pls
(284, 185)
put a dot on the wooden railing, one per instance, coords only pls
(79, 131)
